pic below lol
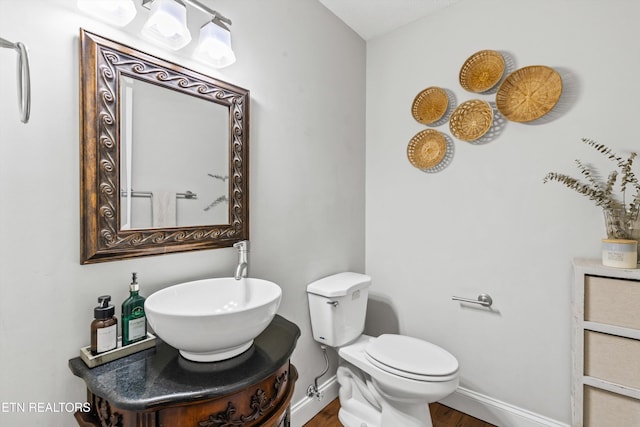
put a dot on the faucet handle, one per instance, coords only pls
(242, 245)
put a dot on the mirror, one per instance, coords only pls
(164, 153)
(153, 193)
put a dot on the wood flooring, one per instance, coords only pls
(442, 416)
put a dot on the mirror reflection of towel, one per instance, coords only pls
(164, 209)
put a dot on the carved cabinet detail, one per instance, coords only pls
(263, 404)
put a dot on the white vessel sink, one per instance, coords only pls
(213, 319)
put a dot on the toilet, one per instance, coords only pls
(385, 381)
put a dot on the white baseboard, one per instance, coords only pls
(308, 407)
(464, 400)
(495, 411)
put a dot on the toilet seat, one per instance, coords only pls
(411, 358)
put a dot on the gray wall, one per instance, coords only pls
(306, 188)
(487, 223)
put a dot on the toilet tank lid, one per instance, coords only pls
(340, 284)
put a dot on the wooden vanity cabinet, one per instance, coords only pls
(159, 388)
(263, 404)
(606, 346)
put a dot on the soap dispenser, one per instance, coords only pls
(134, 320)
(104, 328)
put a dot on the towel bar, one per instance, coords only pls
(24, 78)
(186, 195)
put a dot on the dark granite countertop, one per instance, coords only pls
(160, 375)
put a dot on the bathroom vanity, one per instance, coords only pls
(606, 345)
(158, 387)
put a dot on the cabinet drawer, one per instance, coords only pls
(603, 408)
(612, 301)
(612, 358)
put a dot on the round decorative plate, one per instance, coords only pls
(471, 120)
(482, 71)
(427, 149)
(529, 93)
(430, 105)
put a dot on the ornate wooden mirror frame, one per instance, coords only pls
(102, 62)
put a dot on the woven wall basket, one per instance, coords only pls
(482, 71)
(471, 120)
(427, 149)
(529, 93)
(430, 105)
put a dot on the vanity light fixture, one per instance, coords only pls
(116, 12)
(214, 45)
(167, 25)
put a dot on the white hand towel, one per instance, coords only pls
(164, 209)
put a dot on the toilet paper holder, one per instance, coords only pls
(484, 300)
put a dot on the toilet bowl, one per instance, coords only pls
(402, 396)
(385, 381)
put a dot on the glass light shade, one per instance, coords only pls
(115, 12)
(214, 46)
(167, 25)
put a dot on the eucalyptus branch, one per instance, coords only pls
(220, 177)
(603, 149)
(635, 206)
(602, 192)
(586, 171)
(628, 177)
(592, 192)
(608, 189)
(216, 202)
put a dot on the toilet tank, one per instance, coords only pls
(338, 306)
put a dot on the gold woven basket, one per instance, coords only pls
(529, 93)
(471, 120)
(427, 149)
(430, 105)
(482, 71)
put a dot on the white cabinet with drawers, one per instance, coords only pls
(606, 346)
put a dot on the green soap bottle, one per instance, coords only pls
(134, 320)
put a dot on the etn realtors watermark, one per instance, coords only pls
(43, 407)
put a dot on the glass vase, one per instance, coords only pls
(615, 221)
(634, 231)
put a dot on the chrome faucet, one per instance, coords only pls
(243, 261)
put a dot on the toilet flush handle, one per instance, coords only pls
(333, 303)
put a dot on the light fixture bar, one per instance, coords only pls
(214, 14)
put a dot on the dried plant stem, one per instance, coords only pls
(602, 192)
